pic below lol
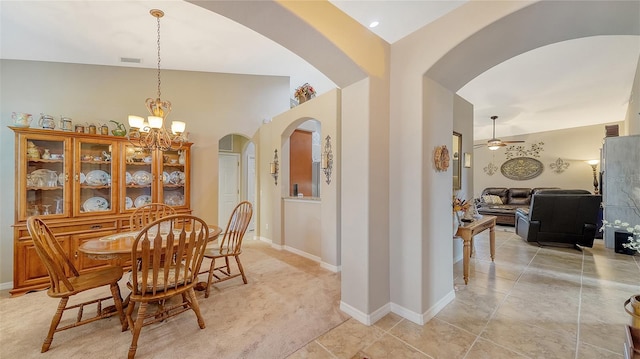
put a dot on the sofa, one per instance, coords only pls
(560, 217)
(503, 202)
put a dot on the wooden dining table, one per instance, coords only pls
(118, 247)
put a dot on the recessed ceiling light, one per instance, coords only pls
(373, 24)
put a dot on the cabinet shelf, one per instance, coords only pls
(44, 188)
(96, 162)
(86, 186)
(46, 161)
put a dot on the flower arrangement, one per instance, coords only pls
(634, 233)
(460, 204)
(305, 91)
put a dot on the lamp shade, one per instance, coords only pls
(136, 121)
(593, 162)
(155, 121)
(178, 126)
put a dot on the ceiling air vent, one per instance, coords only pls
(130, 60)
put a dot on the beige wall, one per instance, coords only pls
(574, 146)
(273, 221)
(213, 105)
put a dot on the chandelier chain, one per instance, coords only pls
(159, 82)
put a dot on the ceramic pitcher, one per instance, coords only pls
(65, 124)
(21, 119)
(47, 122)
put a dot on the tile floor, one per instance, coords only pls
(531, 303)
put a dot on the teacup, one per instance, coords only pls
(148, 159)
(56, 156)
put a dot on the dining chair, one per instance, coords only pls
(148, 213)
(66, 281)
(169, 252)
(229, 246)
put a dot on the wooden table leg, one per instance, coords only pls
(466, 257)
(492, 241)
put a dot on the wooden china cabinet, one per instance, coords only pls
(86, 186)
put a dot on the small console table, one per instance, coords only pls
(470, 229)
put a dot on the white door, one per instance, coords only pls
(251, 188)
(228, 186)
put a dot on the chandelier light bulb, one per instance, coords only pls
(178, 127)
(136, 121)
(155, 121)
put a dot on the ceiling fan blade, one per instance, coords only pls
(513, 141)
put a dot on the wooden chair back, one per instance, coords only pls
(169, 253)
(53, 257)
(148, 213)
(231, 243)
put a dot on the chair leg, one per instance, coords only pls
(210, 279)
(137, 326)
(244, 278)
(193, 301)
(117, 300)
(54, 324)
(226, 261)
(129, 322)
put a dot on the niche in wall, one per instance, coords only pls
(304, 160)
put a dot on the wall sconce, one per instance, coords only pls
(327, 159)
(275, 166)
(594, 166)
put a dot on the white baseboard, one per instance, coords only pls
(420, 319)
(302, 254)
(6, 285)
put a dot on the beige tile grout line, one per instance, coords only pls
(498, 307)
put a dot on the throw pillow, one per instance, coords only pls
(496, 199)
(487, 199)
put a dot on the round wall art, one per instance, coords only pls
(521, 168)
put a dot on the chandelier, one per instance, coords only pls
(152, 134)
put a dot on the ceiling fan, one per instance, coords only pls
(495, 143)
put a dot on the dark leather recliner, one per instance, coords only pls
(560, 216)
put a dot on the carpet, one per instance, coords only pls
(288, 302)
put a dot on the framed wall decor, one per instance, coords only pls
(456, 163)
(467, 160)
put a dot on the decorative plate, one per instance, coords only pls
(522, 168)
(95, 204)
(98, 178)
(128, 202)
(128, 178)
(165, 178)
(61, 179)
(174, 199)
(177, 177)
(142, 178)
(44, 178)
(83, 178)
(142, 200)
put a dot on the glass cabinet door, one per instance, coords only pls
(137, 177)
(94, 173)
(174, 190)
(44, 176)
